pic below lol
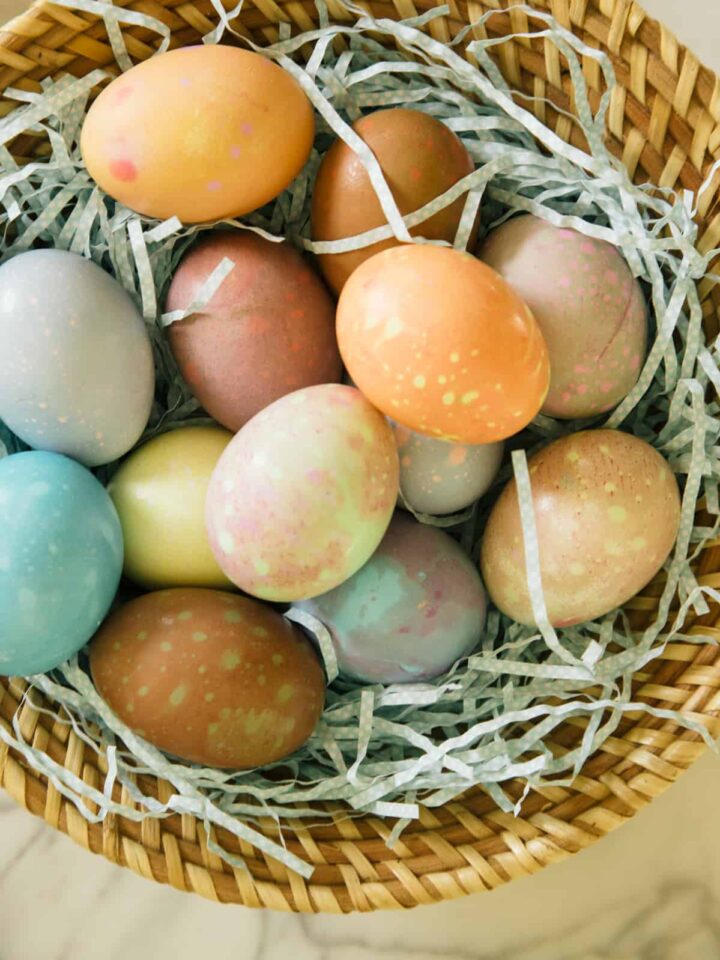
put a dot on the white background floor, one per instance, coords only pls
(648, 892)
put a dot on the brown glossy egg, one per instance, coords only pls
(421, 159)
(607, 510)
(268, 330)
(210, 677)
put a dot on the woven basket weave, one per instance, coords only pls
(664, 122)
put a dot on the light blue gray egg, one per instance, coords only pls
(76, 364)
(61, 557)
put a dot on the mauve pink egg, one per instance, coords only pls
(303, 495)
(590, 308)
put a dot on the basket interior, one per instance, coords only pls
(663, 123)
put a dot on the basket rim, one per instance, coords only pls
(469, 845)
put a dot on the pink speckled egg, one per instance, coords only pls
(607, 510)
(209, 677)
(588, 305)
(303, 495)
(268, 330)
(413, 610)
(437, 477)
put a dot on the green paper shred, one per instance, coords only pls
(493, 716)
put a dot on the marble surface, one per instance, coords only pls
(650, 891)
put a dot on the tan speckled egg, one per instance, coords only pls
(587, 303)
(607, 510)
(209, 677)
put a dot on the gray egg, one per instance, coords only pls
(76, 364)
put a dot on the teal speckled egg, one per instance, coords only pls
(415, 608)
(61, 556)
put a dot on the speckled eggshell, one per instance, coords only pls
(269, 329)
(202, 133)
(589, 306)
(437, 477)
(76, 365)
(304, 494)
(439, 342)
(61, 555)
(413, 610)
(607, 510)
(421, 158)
(209, 677)
(159, 492)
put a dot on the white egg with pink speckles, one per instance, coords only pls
(76, 365)
(438, 477)
(590, 308)
(607, 511)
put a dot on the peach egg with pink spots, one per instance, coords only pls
(202, 133)
(607, 511)
(268, 330)
(437, 477)
(590, 308)
(209, 677)
(303, 495)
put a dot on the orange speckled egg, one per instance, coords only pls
(210, 677)
(607, 510)
(439, 342)
(303, 495)
(421, 159)
(201, 133)
(268, 330)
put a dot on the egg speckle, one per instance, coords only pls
(208, 705)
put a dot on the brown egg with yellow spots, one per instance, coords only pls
(209, 677)
(607, 510)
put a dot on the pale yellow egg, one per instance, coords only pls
(159, 492)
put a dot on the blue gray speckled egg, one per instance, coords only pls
(76, 365)
(61, 556)
(416, 607)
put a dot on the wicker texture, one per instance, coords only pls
(664, 121)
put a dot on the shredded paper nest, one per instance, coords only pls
(493, 717)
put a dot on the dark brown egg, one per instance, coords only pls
(421, 159)
(209, 677)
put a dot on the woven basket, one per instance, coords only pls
(664, 122)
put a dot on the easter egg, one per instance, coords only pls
(420, 158)
(607, 511)
(267, 331)
(588, 305)
(201, 133)
(414, 609)
(76, 365)
(61, 555)
(439, 342)
(159, 493)
(437, 477)
(210, 677)
(304, 493)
